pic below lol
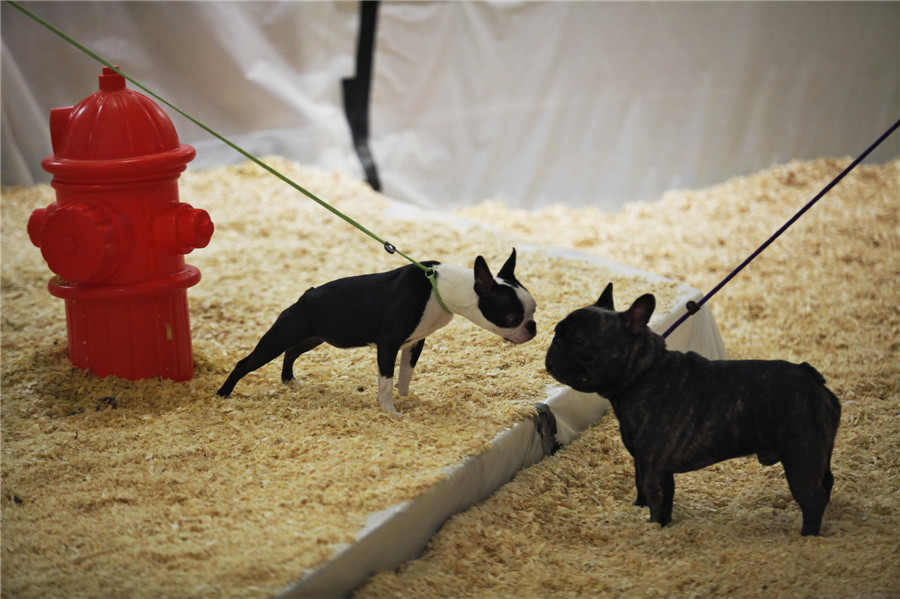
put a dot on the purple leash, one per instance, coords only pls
(693, 307)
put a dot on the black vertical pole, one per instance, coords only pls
(357, 90)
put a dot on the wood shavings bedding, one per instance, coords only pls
(826, 292)
(153, 488)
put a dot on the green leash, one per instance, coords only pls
(389, 247)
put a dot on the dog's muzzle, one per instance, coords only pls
(525, 332)
(559, 364)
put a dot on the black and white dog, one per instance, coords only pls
(394, 311)
(680, 412)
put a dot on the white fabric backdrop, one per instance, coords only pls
(588, 103)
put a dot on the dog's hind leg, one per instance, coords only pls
(291, 355)
(828, 477)
(806, 457)
(809, 484)
(285, 333)
(828, 482)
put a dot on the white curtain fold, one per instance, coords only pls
(583, 103)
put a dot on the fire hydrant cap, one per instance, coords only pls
(112, 123)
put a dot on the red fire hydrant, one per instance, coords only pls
(117, 234)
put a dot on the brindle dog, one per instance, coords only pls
(680, 412)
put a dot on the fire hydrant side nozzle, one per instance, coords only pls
(117, 234)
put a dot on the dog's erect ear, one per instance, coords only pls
(638, 315)
(606, 298)
(484, 280)
(507, 272)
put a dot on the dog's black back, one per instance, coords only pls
(361, 310)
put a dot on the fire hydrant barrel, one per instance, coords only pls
(117, 234)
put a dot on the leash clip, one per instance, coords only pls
(389, 247)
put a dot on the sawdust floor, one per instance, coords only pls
(826, 292)
(172, 491)
(112, 488)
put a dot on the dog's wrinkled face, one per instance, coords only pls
(586, 349)
(596, 348)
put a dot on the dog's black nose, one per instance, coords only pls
(531, 327)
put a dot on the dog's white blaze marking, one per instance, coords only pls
(528, 302)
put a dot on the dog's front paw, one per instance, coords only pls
(661, 516)
(391, 411)
(661, 520)
(385, 397)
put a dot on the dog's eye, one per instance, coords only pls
(578, 342)
(512, 320)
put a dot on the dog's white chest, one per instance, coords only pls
(434, 318)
